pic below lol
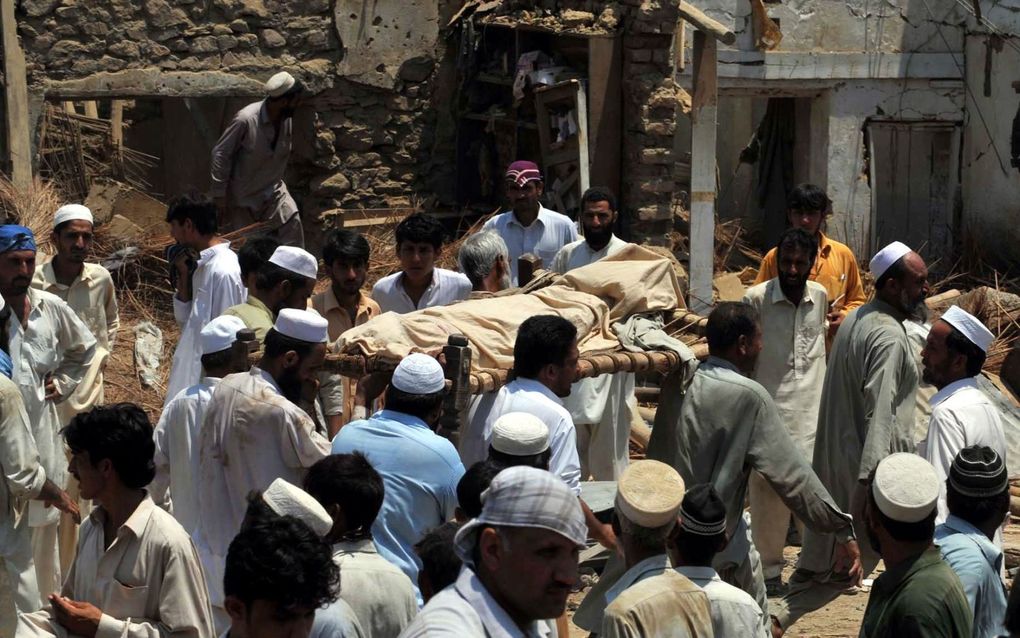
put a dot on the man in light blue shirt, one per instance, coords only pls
(419, 468)
(530, 227)
(977, 493)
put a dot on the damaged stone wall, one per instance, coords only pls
(371, 70)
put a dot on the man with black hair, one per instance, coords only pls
(470, 487)
(693, 545)
(137, 573)
(978, 494)
(419, 468)
(419, 284)
(278, 572)
(835, 267)
(529, 227)
(254, 432)
(918, 594)
(205, 288)
(380, 594)
(727, 427)
(866, 414)
(602, 407)
(440, 564)
(285, 281)
(962, 415)
(253, 255)
(51, 350)
(175, 486)
(791, 367)
(344, 306)
(249, 163)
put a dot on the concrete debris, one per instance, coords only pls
(148, 353)
(110, 199)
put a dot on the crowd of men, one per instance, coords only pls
(283, 499)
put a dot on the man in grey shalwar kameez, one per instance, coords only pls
(867, 413)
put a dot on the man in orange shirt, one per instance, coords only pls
(835, 268)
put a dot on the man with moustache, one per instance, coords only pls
(791, 310)
(254, 433)
(866, 414)
(250, 160)
(530, 227)
(484, 258)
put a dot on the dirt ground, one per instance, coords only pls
(842, 617)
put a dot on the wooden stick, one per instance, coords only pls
(704, 23)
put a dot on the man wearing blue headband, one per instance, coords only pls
(51, 349)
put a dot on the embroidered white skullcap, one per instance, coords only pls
(418, 373)
(72, 212)
(303, 325)
(220, 333)
(906, 487)
(296, 260)
(279, 84)
(524, 496)
(649, 493)
(887, 257)
(520, 434)
(970, 326)
(289, 500)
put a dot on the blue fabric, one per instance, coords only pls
(6, 365)
(420, 472)
(14, 237)
(976, 561)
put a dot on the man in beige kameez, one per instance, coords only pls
(866, 414)
(88, 289)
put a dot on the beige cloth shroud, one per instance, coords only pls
(633, 281)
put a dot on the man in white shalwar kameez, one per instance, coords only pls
(51, 348)
(176, 487)
(601, 407)
(213, 286)
(254, 433)
(962, 415)
(866, 414)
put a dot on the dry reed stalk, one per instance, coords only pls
(32, 207)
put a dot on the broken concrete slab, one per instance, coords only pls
(728, 287)
(378, 38)
(109, 199)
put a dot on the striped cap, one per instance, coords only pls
(522, 171)
(702, 513)
(978, 472)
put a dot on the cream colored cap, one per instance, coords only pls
(649, 493)
(906, 487)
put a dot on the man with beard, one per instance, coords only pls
(88, 289)
(918, 594)
(791, 367)
(344, 306)
(254, 433)
(285, 281)
(249, 162)
(520, 562)
(530, 227)
(51, 350)
(835, 267)
(728, 426)
(866, 414)
(420, 469)
(602, 407)
(962, 415)
(484, 258)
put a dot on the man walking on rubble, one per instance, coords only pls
(250, 160)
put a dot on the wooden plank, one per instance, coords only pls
(705, 24)
(704, 114)
(91, 109)
(605, 109)
(19, 141)
(117, 123)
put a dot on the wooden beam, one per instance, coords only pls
(19, 136)
(703, 186)
(706, 24)
(91, 109)
(117, 123)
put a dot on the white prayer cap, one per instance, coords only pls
(296, 260)
(303, 325)
(525, 497)
(220, 333)
(289, 500)
(649, 493)
(906, 487)
(970, 326)
(520, 434)
(887, 257)
(418, 373)
(279, 84)
(72, 212)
